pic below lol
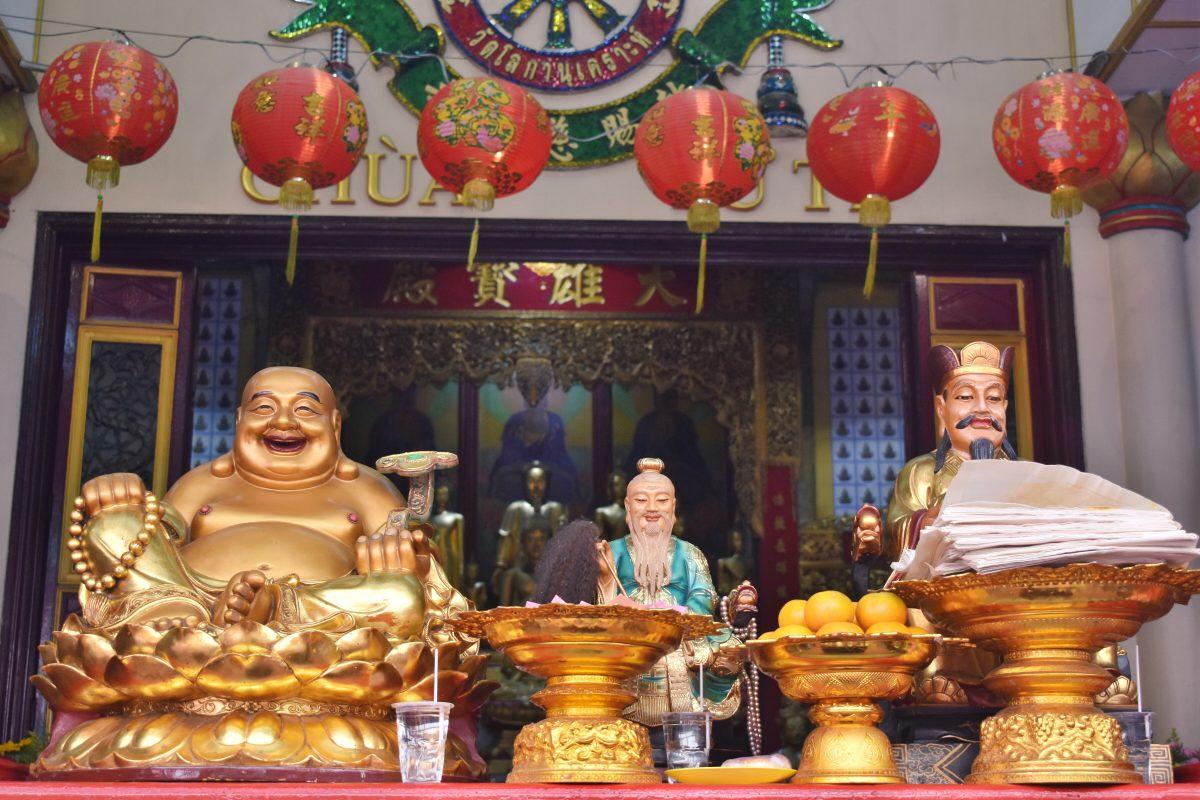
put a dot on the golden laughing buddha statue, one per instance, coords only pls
(275, 591)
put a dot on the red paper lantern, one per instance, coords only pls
(109, 105)
(1059, 134)
(871, 146)
(1183, 122)
(700, 150)
(301, 129)
(485, 138)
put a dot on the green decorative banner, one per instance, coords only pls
(583, 137)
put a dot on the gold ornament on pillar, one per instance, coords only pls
(1152, 188)
(18, 150)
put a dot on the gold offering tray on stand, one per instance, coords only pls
(844, 676)
(589, 656)
(1048, 623)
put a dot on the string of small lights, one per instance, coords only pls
(851, 74)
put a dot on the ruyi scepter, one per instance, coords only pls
(871, 146)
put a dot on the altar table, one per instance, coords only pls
(42, 790)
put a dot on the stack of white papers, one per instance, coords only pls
(1001, 515)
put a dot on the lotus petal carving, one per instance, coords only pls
(92, 671)
(248, 695)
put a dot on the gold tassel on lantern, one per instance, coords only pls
(873, 212)
(473, 248)
(102, 172)
(296, 194)
(96, 228)
(1066, 202)
(293, 241)
(479, 194)
(703, 217)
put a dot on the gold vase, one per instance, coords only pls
(844, 676)
(590, 656)
(1048, 623)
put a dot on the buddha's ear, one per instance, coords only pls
(336, 419)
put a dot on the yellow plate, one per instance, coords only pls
(730, 776)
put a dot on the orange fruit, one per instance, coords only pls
(914, 630)
(792, 613)
(768, 636)
(838, 627)
(881, 607)
(889, 627)
(827, 606)
(795, 630)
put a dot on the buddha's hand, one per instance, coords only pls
(868, 533)
(394, 549)
(109, 491)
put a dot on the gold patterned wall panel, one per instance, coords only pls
(718, 362)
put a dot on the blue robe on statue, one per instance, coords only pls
(672, 685)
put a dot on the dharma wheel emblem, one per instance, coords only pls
(509, 42)
(531, 42)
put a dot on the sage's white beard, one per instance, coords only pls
(651, 565)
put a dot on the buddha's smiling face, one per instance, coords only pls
(288, 428)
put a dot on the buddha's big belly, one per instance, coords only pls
(276, 548)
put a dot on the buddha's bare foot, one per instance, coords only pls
(166, 623)
(242, 599)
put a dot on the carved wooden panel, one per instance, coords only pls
(136, 297)
(976, 305)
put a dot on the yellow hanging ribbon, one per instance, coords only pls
(473, 248)
(872, 257)
(96, 222)
(703, 267)
(1067, 244)
(293, 242)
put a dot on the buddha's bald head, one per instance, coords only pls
(288, 428)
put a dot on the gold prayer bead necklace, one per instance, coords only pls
(83, 565)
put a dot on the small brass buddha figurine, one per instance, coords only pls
(534, 511)
(448, 529)
(611, 518)
(517, 583)
(276, 591)
(732, 570)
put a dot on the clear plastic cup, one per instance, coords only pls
(421, 734)
(687, 736)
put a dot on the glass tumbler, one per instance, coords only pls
(687, 736)
(421, 733)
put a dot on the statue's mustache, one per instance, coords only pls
(967, 420)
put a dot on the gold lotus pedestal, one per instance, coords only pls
(248, 702)
(589, 656)
(844, 676)
(1048, 623)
